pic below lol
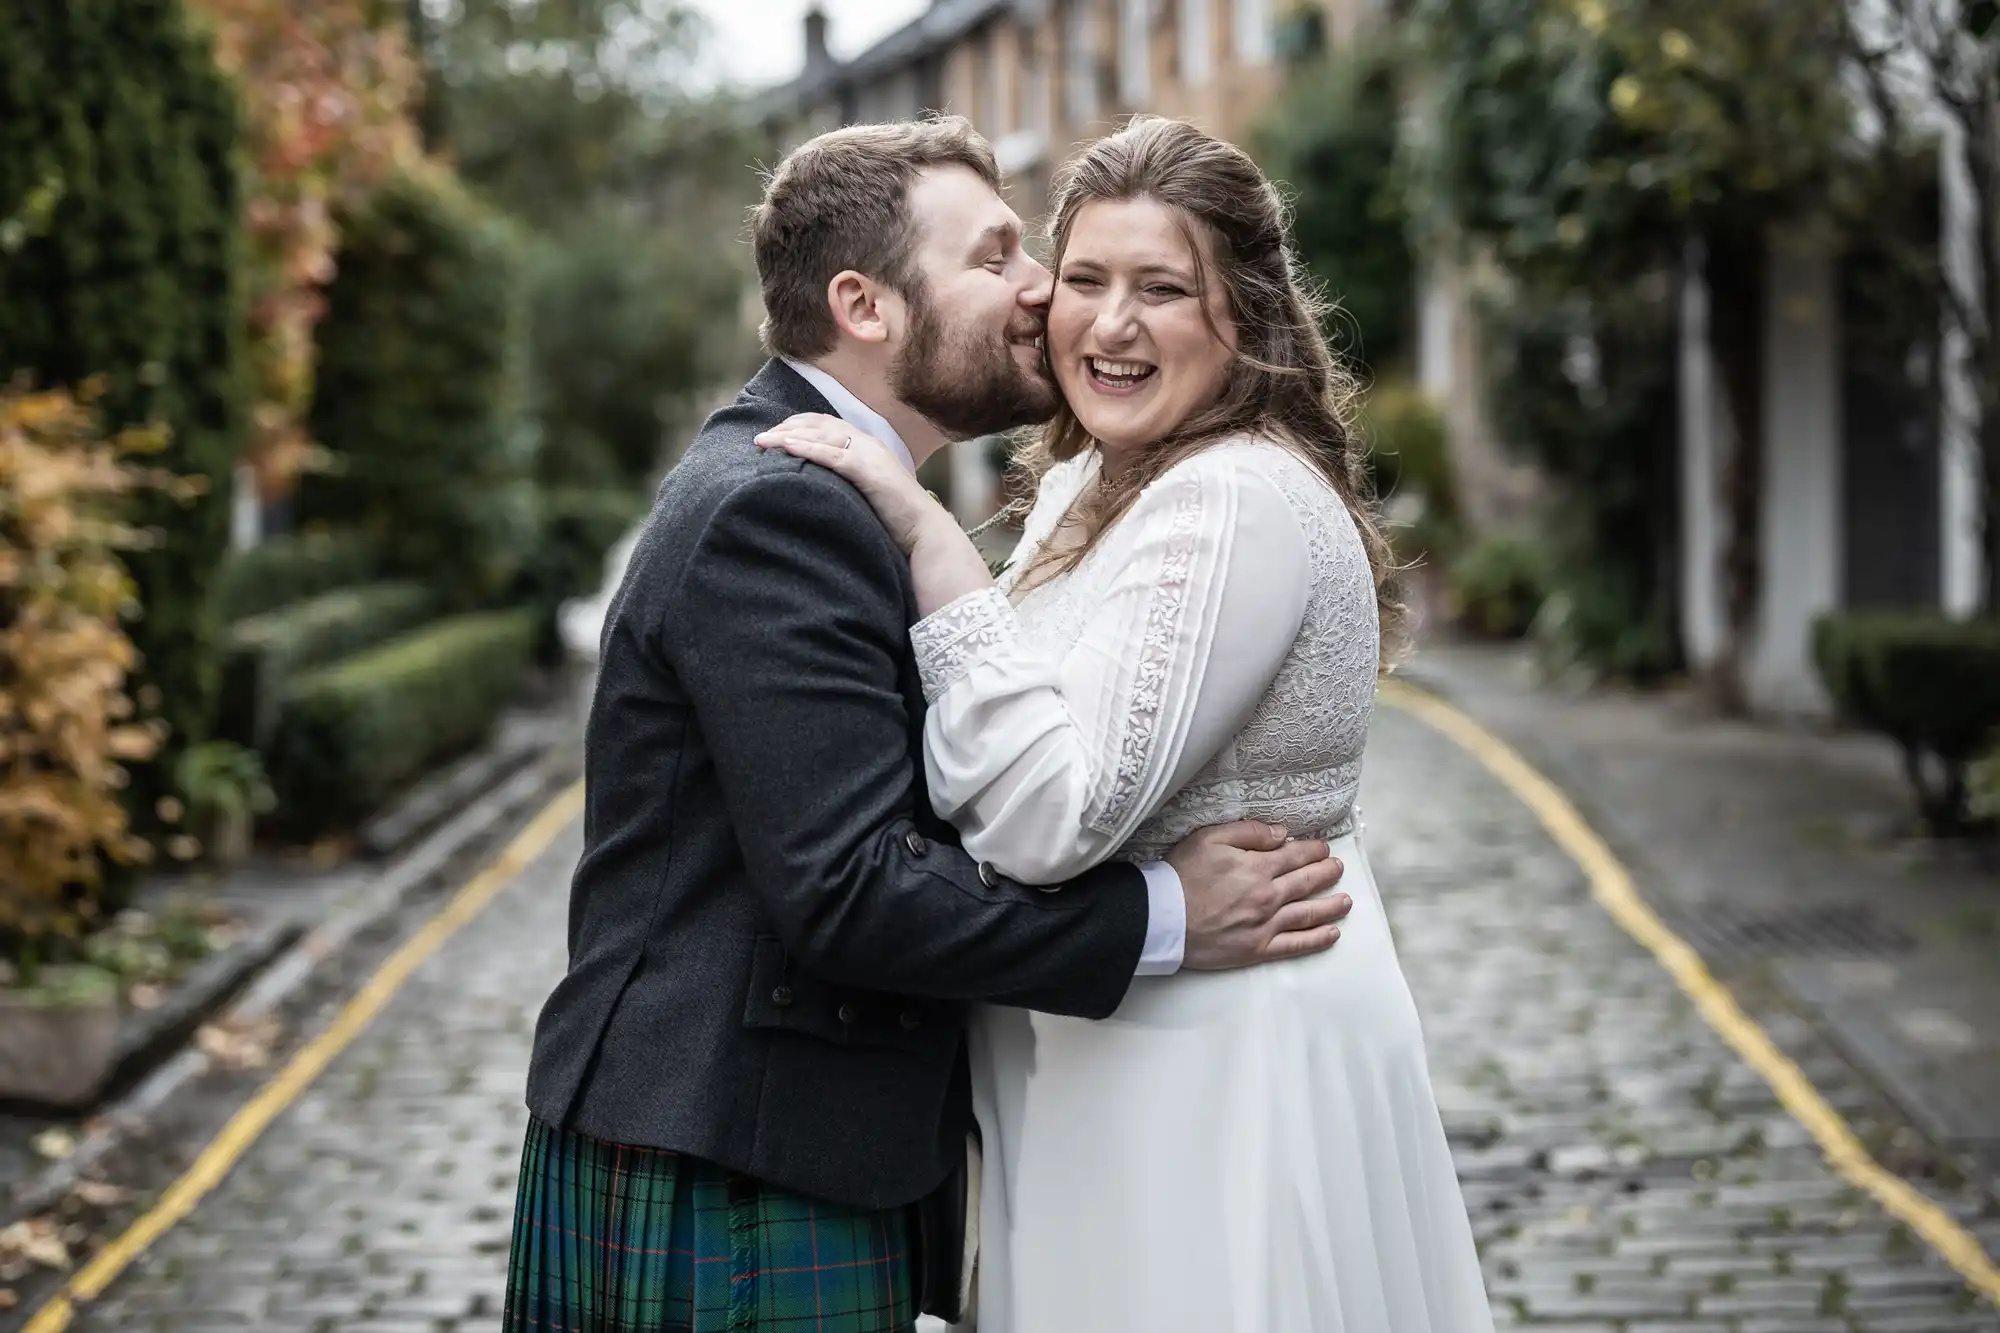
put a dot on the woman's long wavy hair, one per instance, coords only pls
(1284, 384)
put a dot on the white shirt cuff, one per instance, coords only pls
(950, 639)
(1166, 922)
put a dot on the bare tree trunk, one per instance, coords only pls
(1736, 284)
(1982, 155)
(433, 127)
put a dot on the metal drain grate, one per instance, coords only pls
(1727, 932)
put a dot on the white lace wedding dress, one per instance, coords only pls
(1255, 1151)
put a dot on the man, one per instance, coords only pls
(753, 1068)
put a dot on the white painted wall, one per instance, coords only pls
(246, 512)
(1436, 315)
(1800, 540)
(1704, 432)
(1961, 579)
(975, 490)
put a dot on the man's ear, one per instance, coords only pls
(863, 308)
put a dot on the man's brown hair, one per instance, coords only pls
(841, 201)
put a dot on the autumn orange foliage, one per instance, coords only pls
(329, 88)
(67, 725)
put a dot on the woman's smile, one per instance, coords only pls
(1120, 378)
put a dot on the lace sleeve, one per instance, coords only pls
(1048, 759)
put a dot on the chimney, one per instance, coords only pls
(816, 52)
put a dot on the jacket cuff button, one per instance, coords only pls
(911, 1021)
(988, 875)
(847, 1013)
(782, 996)
(915, 842)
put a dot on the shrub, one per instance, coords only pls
(351, 733)
(1497, 586)
(419, 386)
(1411, 458)
(631, 321)
(578, 528)
(1583, 388)
(1597, 622)
(120, 137)
(1984, 777)
(1332, 138)
(263, 654)
(1930, 684)
(326, 90)
(67, 724)
(292, 568)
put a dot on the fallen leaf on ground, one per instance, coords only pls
(235, 1045)
(144, 995)
(329, 852)
(100, 1194)
(8, 1300)
(35, 1239)
(55, 1144)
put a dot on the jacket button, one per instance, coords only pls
(911, 1020)
(848, 1014)
(915, 842)
(782, 996)
(988, 875)
(1049, 888)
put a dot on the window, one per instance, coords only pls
(1253, 31)
(991, 112)
(1080, 62)
(1135, 52)
(1196, 39)
(1034, 83)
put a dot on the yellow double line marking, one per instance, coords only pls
(256, 1116)
(1612, 885)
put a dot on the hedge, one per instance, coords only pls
(350, 734)
(288, 569)
(419, 387)
(1930, 684)
(119, 242)
(262, 654)
(578, 528)
(1500, 584)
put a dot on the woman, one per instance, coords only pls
(1188, 634)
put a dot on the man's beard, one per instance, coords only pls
(963, 381)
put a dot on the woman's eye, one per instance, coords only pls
(1164, 292)
(997, 262)
(1079, 280)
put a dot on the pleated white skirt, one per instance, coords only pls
(1242, 1152)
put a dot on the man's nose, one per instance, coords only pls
(1040, 286)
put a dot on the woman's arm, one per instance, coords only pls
(1048, 762)
(944, 564)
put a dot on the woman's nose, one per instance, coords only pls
(1116, 322)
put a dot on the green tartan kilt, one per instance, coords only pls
(616, 1239)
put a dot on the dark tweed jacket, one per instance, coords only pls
(771, 935)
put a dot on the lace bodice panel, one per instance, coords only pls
(1297, 758)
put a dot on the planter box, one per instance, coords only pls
(57, 1056)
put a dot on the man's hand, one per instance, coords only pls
(1251, 896)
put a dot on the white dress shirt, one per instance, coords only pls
(1166, 920)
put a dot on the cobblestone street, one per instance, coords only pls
(1624, 1170)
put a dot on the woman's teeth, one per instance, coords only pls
(1119, 374)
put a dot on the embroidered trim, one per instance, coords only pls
(950, 639)
(1165, 609)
